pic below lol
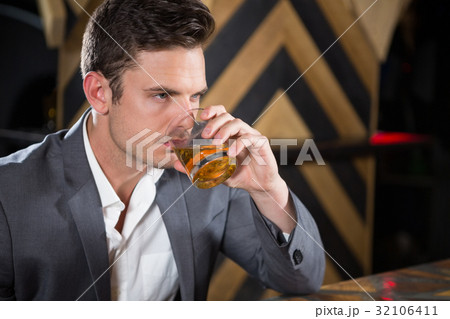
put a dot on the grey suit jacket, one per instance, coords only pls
(53, 241)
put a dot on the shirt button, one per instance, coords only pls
(297, 256)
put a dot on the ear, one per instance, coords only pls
(97, 91)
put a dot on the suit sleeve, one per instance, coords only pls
(251, 240)
(6, 260)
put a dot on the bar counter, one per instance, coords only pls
(427, 282)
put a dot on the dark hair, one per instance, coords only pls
(140, 25)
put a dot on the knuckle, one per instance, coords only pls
(218, 108)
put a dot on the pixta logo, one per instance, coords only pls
(140, 150)
(308, 148)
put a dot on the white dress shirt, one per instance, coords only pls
(143, 266)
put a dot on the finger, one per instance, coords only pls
(247, 141)
(235, 128)
(235, 148)
(212, 111)
(215, 123)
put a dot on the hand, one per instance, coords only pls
(257, 170)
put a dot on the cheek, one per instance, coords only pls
(160, 122)
(121, 128)
(138, 124)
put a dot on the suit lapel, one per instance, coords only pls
(84, 202)
(176, 219)
(88, 216)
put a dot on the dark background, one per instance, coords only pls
(412, 211)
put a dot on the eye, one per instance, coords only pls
(196, 97)
(161, 96)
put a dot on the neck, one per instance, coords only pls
(112, 160)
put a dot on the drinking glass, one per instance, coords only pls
(206, 164)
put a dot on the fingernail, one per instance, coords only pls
(207, 131)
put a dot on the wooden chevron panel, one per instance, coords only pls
(354, 42)
(222, 12)
(332, 99)
(357, 47)
(338, 206)
(281, 73)
(283, 28)
(251, 60)
(337, 60)
(285, 112)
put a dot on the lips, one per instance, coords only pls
(169, 148)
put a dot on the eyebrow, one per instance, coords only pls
(172, 91)
(203, 91)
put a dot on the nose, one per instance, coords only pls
(186, 103)
(183, 105)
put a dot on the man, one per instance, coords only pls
(77, 223)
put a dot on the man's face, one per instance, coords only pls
(144, 105)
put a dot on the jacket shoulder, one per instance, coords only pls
(32, 161)
(48, 146)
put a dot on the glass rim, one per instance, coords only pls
(183, 116)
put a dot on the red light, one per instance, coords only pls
(386, 299)
(391, 283)
(386, 138)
